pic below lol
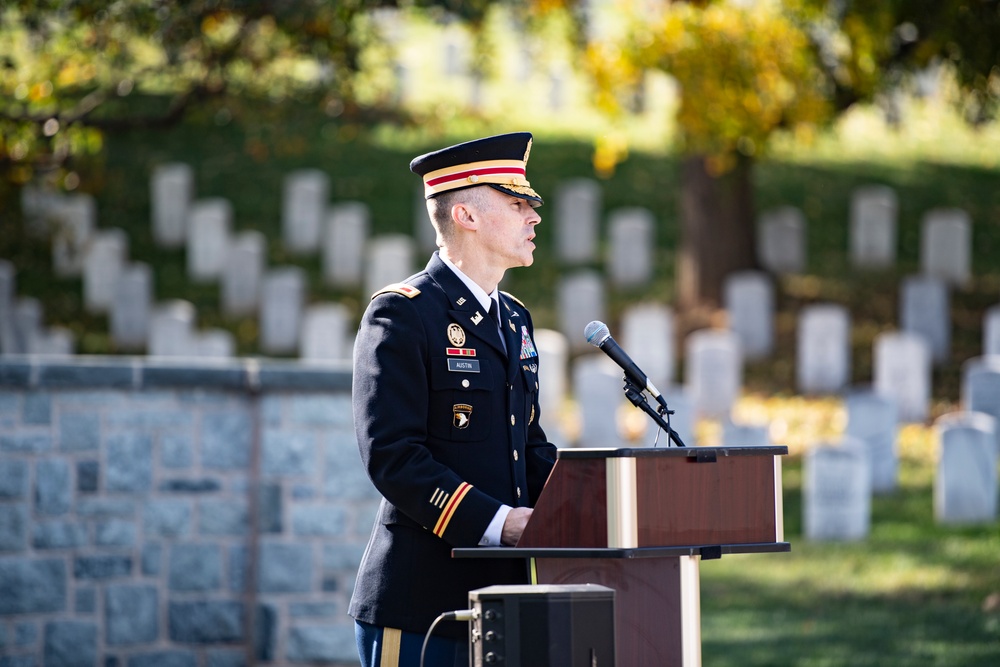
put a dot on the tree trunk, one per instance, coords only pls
(717, 231)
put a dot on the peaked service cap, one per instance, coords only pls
(498, 161)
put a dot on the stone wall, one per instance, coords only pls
(173, 515)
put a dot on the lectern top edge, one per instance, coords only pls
(652, 452)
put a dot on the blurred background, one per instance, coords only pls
(786, 211)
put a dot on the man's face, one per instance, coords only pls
(508, 229)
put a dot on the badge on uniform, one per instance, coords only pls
(527, 347)
(456, 335)
(462, 414)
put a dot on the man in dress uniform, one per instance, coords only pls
(446, 409)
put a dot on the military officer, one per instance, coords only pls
(445, 398)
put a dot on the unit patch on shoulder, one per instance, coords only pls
(409, 291)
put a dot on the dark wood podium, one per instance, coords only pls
(640, 521)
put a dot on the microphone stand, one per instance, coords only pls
(637, 398)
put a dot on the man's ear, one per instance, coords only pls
(465, 216)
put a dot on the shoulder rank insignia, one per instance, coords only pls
(514, 299)
(409, 291)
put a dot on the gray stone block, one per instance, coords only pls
(32, 586)
(342, 556)
(190, 485)
(195, 567)
(177, 450)
(53, 489)
(288, 452)
(345, 476)
(37, 409)
(163, 659)
(167, 518)
(321, 643)
(58, 534)
(103, 507)
(88, 475)
(145, 420)
(86, 601)
(129, 463)
(312, 610)
(13, 480)
(100, 568)
(25, 633)
(70, 644)
(116, 533)
(204, 622)
(226, 658)
(225, 440)
(321, 520)
(285, 568)
(265, 632)
(26, 443)
(269, 509)
(272, 408)
(224, 517)
(303, 492)
(152, 559)
(29, 660)
(238, 573)
(321, 410)
(130, 614)
(79, 431)
(13, 527)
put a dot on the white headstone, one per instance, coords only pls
(423, 230)
(946, 245)
(748, 297)
(303, 209)
(553, 377)
(282, 302)
(130, 311)
(632, 233)
(326, 333)
(580, 300)
(965, 486)
(745, 435)
(210, 223)
(713, 371)
(578, 212)
(54, 341)
(597, 385)
(823, 353)
(8, 293)
(874, 421)
(214, 344)
(981, 385)
(347, 230)
(102, 267)
(28, 322)
(390, 260)
(74, 220)
(874, 210)
(39, 203)
(991, 331)
(836, 492)
(171, 194)
(902, 372)
(648, 336)
(171, 330)
(781, 240)
(246, 261)
(925, 310)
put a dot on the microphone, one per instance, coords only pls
(599, 336)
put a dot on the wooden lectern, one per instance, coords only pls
(639, 521)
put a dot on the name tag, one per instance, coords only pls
(463, 365)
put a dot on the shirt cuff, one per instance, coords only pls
(491, 538)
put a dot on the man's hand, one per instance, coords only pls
(517, 518)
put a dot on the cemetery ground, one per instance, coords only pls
(912, 593)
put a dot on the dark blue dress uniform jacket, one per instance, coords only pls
(445, 446)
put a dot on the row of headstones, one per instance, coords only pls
(945, 238)
(839, 479)
(310, 224)
(924, 310)
(22, 321)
